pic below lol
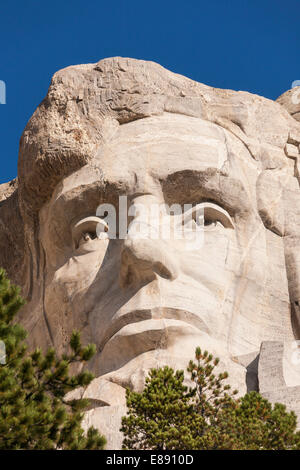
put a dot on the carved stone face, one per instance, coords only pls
(146, 301)
(129, 138)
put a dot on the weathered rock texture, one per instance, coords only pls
(272, 384)
(124, 127)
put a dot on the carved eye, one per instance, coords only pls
(86, 237)
(89, 229)
(207, 215)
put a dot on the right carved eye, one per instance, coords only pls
(89, 229)
(207, 215)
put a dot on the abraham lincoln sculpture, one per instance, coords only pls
(119, 150)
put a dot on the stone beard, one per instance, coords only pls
(128, 128)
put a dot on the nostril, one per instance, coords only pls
(143, 260)
(164, 272)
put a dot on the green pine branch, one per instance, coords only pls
(34, 413)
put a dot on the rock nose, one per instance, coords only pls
(145, 259)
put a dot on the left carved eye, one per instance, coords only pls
(88, 229)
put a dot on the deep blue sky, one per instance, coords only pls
(249, 45)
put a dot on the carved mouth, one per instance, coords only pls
(137, 338)
(161, 315)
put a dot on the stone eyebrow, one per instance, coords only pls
(76, 203)
(82, 201)
(194, 186)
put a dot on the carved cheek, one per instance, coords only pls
(209, 258)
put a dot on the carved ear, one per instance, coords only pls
(12, 245)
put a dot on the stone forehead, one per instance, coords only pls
(86, 103)
(159, 146)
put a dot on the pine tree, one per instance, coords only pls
(212, 394)
(34, 413)
(161, 416)
(256, 424)
(207, 416)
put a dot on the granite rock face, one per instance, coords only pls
(125, 136)
(290, 100)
